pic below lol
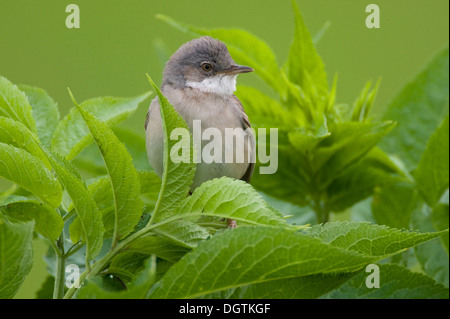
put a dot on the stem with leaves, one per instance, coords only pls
(103, 262)
(58, 291)
(322, 213)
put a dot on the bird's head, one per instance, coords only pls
(203, 64)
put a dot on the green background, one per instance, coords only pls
(115, 47)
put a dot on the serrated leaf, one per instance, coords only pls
(29, 172)
(432, 174)
(135, 144)
(252, 255)
(123, 175)
(307, 287)
(72, 135)
(396, 282)
(101, 192)
(16, 255)
(177, 177)
(17, 134)
(376, 241)
(45, 112)
(303, 60)
(419, 109)
(47, 221)
(14, 104)
(85, 207)
(183, 233)
(233, 199)
(150, 184)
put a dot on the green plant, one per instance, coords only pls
(126, 228)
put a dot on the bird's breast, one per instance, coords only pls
(215, 123)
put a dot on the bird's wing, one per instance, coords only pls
(245, 125)
(147, 119)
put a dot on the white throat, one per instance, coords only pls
(219, 84)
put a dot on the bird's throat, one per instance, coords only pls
(219, 84)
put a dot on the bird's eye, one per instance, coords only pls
(206, 67)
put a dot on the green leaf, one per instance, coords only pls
(303, 60)
(305, 140)
(135, 144)
(393, 205)
(318, 36)
(376, 241)
(18, 135)
(396, 282)
(47, 220)
(307, 287)
(16, 255)
(361, 180)
(348, 143)
(46, 290)
(124, 177)
(72, 134)
(419, 109)
(45, 112)
(102, 194)
(432, 173)
(127, 265)
(432, 256)
(85, 207)
(158, 246)
(177, 177)
(138, 289)
(150, 184)
(183, 233)
(233, 199)
(14, 104)
(364, 102)
(29, 172)
(439, 219)
(90, 161)
(251, 255)
(289, 183)
(263, 111)
(244, 47)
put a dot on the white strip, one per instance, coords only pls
(218, 84)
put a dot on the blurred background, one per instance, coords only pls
(119, 41)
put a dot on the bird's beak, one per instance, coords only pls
(237, 69)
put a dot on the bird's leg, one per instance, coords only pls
(231, 223)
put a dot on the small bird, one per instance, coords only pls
(199, 81)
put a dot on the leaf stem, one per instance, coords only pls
(322, 212)
(72, 250)
(58, 291)
(100, 265)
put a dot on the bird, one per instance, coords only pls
(199, 80)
